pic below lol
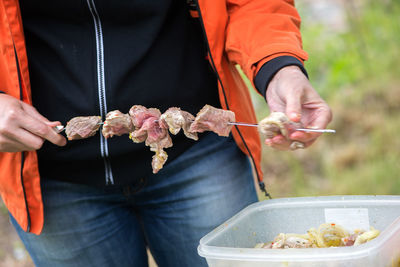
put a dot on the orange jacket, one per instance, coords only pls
(244, 32)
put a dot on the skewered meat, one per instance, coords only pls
(278, 123)
(177, 119)
(159, 159)
(82, 127)
(140, 113)
(156, 135)
(117, 123)
(149, 128)
(213, 119)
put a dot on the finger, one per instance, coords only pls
(304, 136)
(280, 147)
(322, 118)
(41, 129)
(278, 142)
(307, 144)
(293, 105)
(9, 145)
(53, 124)
(20, 140)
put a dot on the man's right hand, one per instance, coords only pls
(22, 128)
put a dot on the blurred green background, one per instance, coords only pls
(354, 50)
(354, 54)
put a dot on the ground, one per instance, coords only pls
(12, 252)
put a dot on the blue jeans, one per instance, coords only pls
(87, 226)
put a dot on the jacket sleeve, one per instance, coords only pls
(261, 30)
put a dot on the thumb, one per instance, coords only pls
(293, 105)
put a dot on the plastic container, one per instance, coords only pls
(232, 243)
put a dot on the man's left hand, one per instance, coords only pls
(290, 92)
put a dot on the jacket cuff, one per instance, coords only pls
(269, 69)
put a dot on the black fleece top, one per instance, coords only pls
(91, 57)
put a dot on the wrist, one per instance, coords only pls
(269, 70)
(288, 70)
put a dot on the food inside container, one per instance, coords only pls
(232, 243)
(327, 235)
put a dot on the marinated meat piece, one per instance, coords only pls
(157, 139)
(213, 119)
(366, 236)
(140, 113)
(289, 241)
(159, 159)
(163, 141)
(327, 235)
(349, 241)
(149, 128)
(173, 119)
(157, 142)
(153, 129)
(177, 119)
(278, 123)
(297, 242)
(138, 137)
(157, 136)
(82, 127)
(137, 114)
(117, 123)
(189, 118)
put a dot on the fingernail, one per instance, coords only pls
(294, 116)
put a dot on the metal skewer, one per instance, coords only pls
(61, 128)
(317, 130)
(300, 129)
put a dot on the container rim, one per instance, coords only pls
(332, 254)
